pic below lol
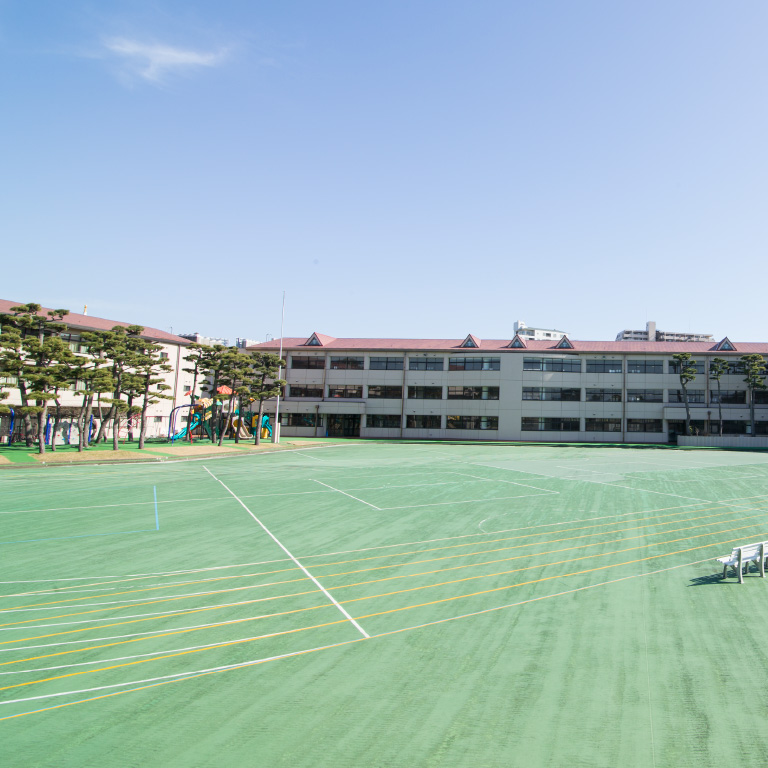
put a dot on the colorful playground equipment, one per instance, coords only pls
(200, 415)
(266, 427)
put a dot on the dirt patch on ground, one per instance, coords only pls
(3, 460)
(188, 450)
(87, 456)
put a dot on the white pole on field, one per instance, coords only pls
(276, 428)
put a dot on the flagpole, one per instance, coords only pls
(276, 430)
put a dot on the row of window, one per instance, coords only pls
(573, 365)
(695, 396)
(394, 421)
(529, 424)
(380, 391)
(425, 363)
(559, 394)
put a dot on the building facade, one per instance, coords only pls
(532, 390)
(173, 350)
(652, 334)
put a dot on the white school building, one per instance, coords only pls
(515, 389)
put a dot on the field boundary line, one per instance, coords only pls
(373, 506)
(510, 482)
(183, 676)
(287, 552)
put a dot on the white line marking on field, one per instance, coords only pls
(287, 552)
(468, 501)
(181, 676)
(510, 482)
(373, 506)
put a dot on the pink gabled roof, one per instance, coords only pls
(498, 345)
(89, 323)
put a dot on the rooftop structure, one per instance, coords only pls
(198, 338)
(651, 334)
(527, 332)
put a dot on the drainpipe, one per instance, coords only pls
(624, 399)
(402, 399)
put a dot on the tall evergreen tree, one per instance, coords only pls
(717, 369)
(687, 373)
(266, 384)
(754, 369)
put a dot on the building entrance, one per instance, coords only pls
(343, 424)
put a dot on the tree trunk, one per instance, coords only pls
(42, 415)
(27, 417)
(105, 422)
(81, 425)
(87, 421)
(752, 410)
(257, 441)
(687, 410)
(240, 421)
(56, 420)
(228, 423)
(115, 429)
(720, 407)
(144, 406)
(129, 425)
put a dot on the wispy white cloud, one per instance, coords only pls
(154, 61)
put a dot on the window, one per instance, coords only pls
(474, 363)
(473, 393)
(298, 419)
(346, 390)
(734, 368)
(603, 395)
(694, 396)
(425, 393)
(425, 363)
(551, 393)
(555, 364)
(158, 419)
(761, 397)
(300, 362)
(347, 363)
(674, 366)
(644, 425)
(472, 422)
(305, 391)
(545, 424)
(11, 381)
(602, 425)
(386, 364)
(163, 355)
(382, 421)
(422, 422)
(729, 397)
(603, 366)
(380, 391)
(645, 366)
(733, 427)
(645, 395)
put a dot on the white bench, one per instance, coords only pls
(741, 556)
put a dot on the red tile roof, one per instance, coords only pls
(498, 345)
(89, 323)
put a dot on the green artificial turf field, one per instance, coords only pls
(368, 604)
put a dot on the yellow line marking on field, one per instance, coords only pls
(343, 562)
(194, 675)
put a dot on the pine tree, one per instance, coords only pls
(717, 370)
(754, 369)
(687, 374)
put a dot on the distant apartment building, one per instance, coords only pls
(198, 338)
(537, 334)
(652, 334)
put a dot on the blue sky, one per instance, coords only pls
(411, 169)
